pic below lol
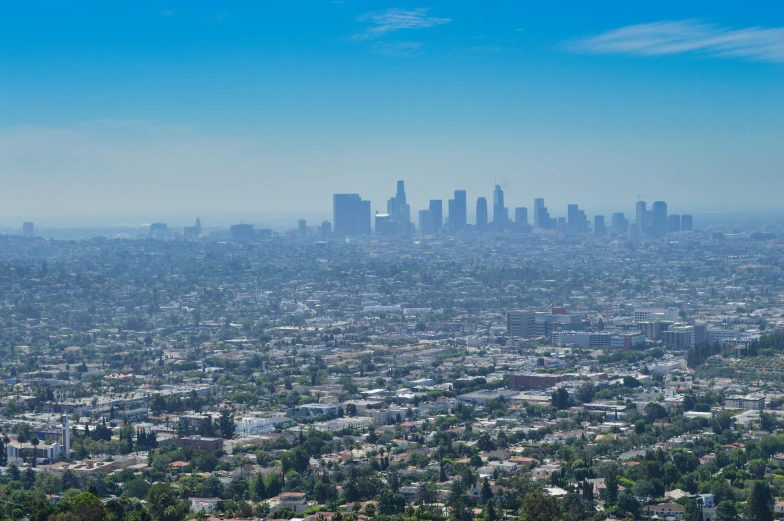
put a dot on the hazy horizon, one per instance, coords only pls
(749, 219)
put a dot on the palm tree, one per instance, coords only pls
(34, 442)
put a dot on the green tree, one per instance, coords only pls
(629, 504)
(324, 491)
(83, 507)
(258, 488)
(722, 422)
(38, 506)
(725, 511)
(654, 411)
(13, 473)
(756, 468)
(586, 392)
(28, 478)
(631, 382)
(459, 508)
(390, 503)
(560, 399)
(693, 511)
(274, 484)
(164, 505)
(536, 506)
(768, 421)
(610, 491)
(296, 459)
(226, 424)
(759, 503)
(183, 427)
(588, 491)
(486, 493)
(137, 487)
(489, 512)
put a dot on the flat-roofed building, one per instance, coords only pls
(521, 323)
(535, 381)
(753, 402)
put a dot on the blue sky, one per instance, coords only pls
(262, 109)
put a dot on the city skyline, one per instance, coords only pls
(353, 216)
(232, 107)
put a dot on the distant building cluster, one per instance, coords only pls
(352, 217)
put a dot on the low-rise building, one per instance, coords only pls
(314, 410)
(199, 443)
(535, 381)
(545, 471)
(665, 510)
(749, 402)
(18, 452)
(204, 504)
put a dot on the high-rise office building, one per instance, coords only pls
(619, 223)
(384, 225)
(426, 224)
(538, 204)
(520, 323)
(326, 229)
(28, 229)
(458, 211)
(481, 214)
(659, 222)
(641, 217)
(571, 214)
(576, 220)
(674, 223)
(500, 212)
(687, 222)
(521, 216)
(302, 228)
(193, 232)
(399, 211)
(242, 232)
(158, 231)
(599, 226)
(351, 215)
(542, 216)
(437, 215)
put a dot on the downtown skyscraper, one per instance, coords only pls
(500, 212)
(481, 214)
(659, 223)
(458, 211)
(399, 211)
(350, 214)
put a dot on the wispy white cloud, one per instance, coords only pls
(688, 36)
(398, 48)
(169, 12)
(392, 20)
